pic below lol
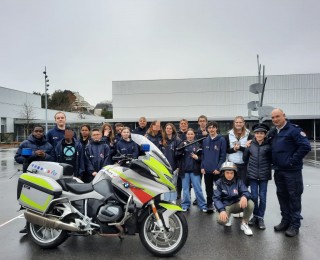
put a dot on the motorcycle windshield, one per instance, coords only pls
(154, 150)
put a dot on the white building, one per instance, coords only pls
(12, 109)
(220, 99)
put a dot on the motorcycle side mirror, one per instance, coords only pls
(145, 147)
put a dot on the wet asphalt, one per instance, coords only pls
(206, 240)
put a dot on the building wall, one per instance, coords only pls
(12, 107)
(218, 98)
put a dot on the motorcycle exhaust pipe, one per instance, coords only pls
(37, 219)
(120, 234)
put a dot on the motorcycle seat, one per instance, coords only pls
(79, 188)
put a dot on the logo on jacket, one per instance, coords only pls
(235, 191)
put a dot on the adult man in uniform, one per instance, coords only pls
(289, 146)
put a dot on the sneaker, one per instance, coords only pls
(204, 210)
(292, 231)
(229, 223)
(253, 221)
(281, 227)
(195, 202)
(246, 229)
(261, 224)
(238, 215)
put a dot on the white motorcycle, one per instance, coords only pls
(132, 196)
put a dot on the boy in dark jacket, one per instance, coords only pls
(96, 155)
(42, 150)
(258, 157)
(232, 196)
(213, 155)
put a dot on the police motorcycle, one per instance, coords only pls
(132, 196)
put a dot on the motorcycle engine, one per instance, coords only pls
(110, 213)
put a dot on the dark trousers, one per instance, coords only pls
(259, 196)
(289, 190)
(209, 180)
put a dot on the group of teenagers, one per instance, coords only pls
(228, 164)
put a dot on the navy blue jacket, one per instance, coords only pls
(58, 154)
(157, 139)
(213, 153)
(55, 134)
(140, 131)
(128, 147)
(169, 151)
(258, 158)
(112, 147)
(289, 147)
(34, 144)
(186, 162)
(96, 156)
(182, 135)
(229, 192)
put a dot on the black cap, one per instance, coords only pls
(260, 127)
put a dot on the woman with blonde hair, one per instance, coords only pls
(236, 140)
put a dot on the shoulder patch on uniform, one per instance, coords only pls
(303, 134)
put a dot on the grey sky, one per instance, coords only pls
(87, 44)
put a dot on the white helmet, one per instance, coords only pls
(228, 166)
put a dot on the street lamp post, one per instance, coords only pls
(46, 85)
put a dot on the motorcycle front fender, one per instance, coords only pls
(170, 209)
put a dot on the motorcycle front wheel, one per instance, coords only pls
(167, 242)
(46, 237)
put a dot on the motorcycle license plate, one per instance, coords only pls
(169, 196)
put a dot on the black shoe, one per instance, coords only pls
(195, 202)
(292, 231)
(23, 231)
(261, 224)
(210, 209)
(281, 227)
(253, 221)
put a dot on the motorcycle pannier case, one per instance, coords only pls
(36, 191)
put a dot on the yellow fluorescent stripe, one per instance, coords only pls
(36, 180)
(35, 205)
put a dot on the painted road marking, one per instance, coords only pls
(20, 216)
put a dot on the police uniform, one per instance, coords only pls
(289, 146)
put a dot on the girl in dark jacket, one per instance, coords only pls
(154, 133)
(258, 157)
(126, 146)
(109, 139)
(190, 171)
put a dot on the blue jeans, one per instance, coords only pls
(196, 184)
(259, 196)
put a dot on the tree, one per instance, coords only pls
(27, 113)
(106, 114)
(61, 100)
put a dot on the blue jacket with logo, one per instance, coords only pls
(96, 156)
(213, 153)
(187, 163)
(58, 153)
(288, 147)
(229, 192)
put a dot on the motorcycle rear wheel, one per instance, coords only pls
(46, 237)
(165, 243)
